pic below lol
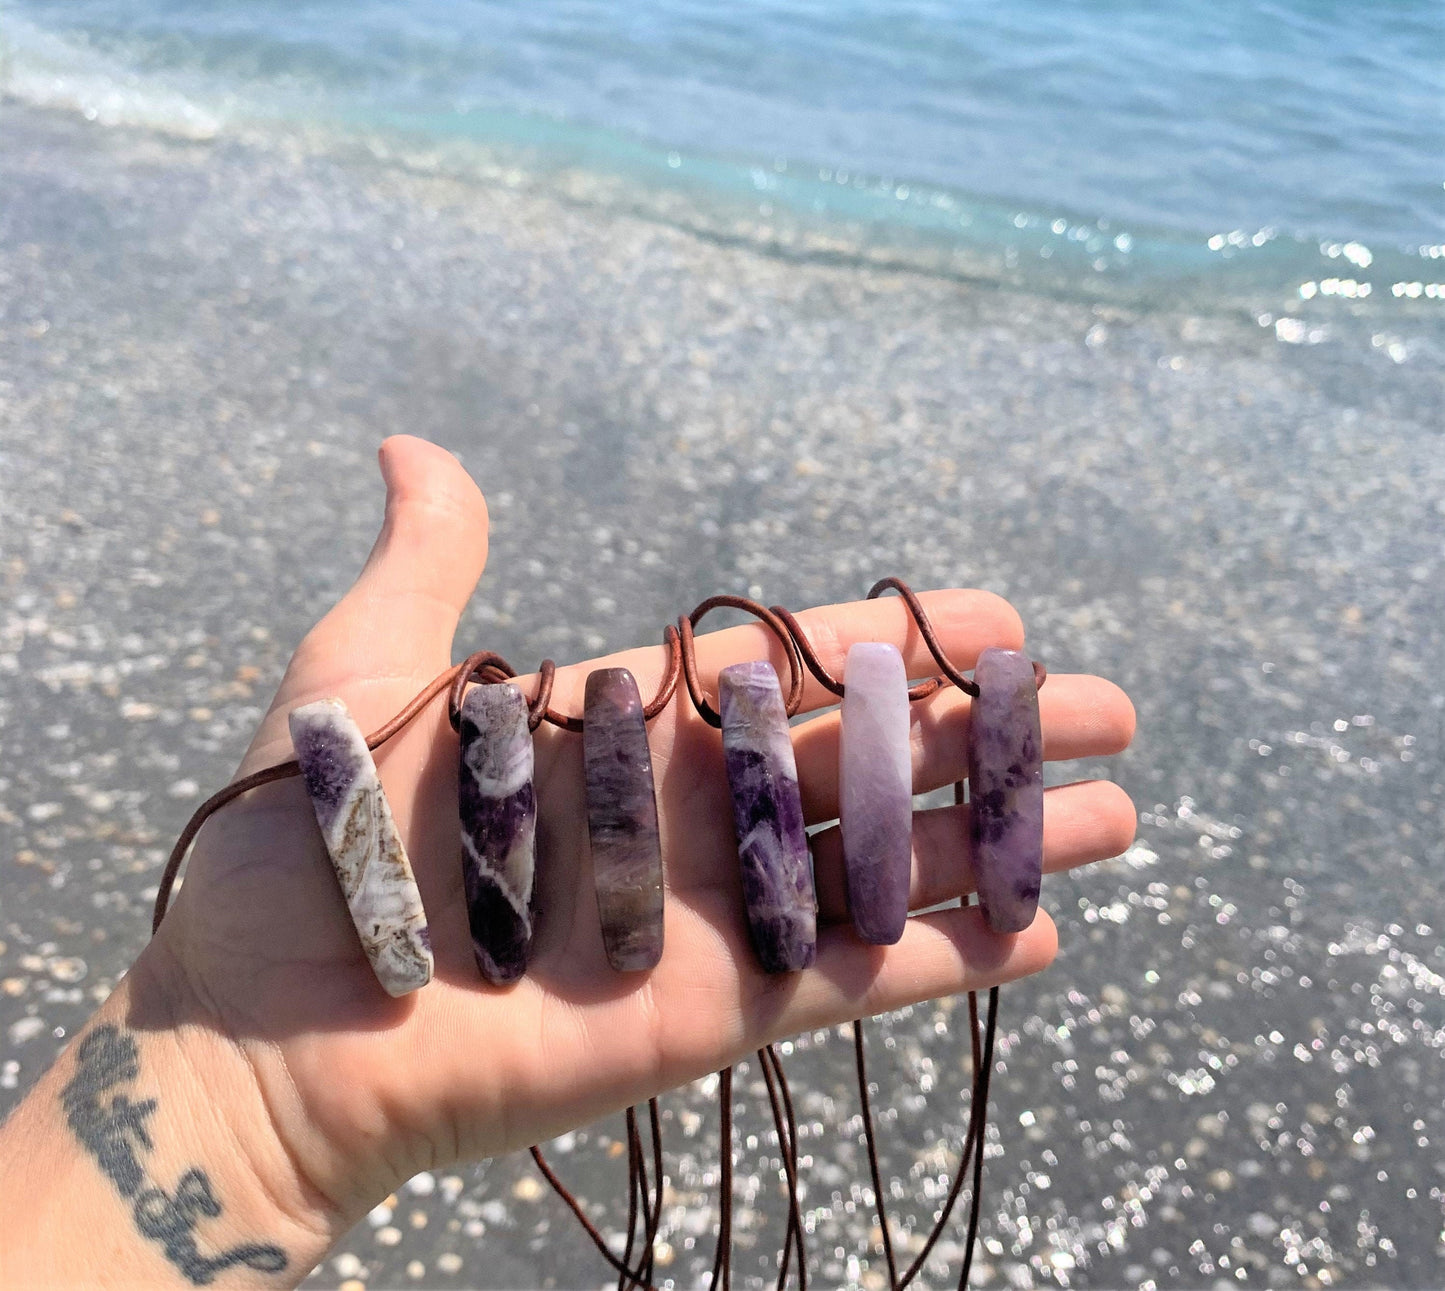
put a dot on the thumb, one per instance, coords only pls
(429, 554)
(392, 631)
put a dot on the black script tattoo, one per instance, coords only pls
(113, 1132)
(172, 1220)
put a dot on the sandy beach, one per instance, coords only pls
(1232, 1076)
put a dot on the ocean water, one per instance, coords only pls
(1286, 157)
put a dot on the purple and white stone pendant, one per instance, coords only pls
(362, 841)
(498, 808)
(1006, 788)
(875, 783)
(773, 855)
(777, 870)
(622, 820)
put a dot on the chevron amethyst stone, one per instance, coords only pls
(875, 783)
(1006, 789)
(365, 849)
(777, 871)
(499, 819)
(622, 820)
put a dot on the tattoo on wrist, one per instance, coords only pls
(115, 1134)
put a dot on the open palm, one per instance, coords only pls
(365, 1089)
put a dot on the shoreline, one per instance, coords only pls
(1314, 288)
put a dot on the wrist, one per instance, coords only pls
(153, 1126)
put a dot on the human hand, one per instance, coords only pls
(362, 1090)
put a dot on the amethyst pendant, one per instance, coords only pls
(622, 820)
(498, 818)
(777, 870)
(1006, 789)
(875, 773)
(365, 849)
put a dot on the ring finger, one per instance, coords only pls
(1081, 716)
(1091, 820)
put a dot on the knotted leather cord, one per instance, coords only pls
(488, 667)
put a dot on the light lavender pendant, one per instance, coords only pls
(1006, 789)
(499, 825)
(365, 849)
(875, 772)
(622, 820)
(777, 871)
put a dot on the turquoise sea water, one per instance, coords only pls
(1287, 154)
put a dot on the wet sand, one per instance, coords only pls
(1233, 1075)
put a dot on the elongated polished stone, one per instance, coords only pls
(875, 773)
(365, 849)
(622, 820)
(1006, 789)
(768, 812)
(499, 827)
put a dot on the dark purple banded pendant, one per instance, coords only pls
(622, 820)
(1006, 789)
(777, 871)
(499, 828)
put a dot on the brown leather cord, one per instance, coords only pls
(282, 771)
(654, 1220)
(483, 666)
(794, 1204)
(686, 624)
(977, 1120)
(975, 1204)
(537, 709)
(879, 1207)
(667, 688)
(635, 1168)
(575, 1206)
(930, 636)
(722, 1260)
(785, 1120)
(826, 679)
(972, 1139)
(631, 1277)
(651, 1206)
(638, 1195)
(486, 666)
(925, 627)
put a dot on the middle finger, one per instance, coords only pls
(1081, 716)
